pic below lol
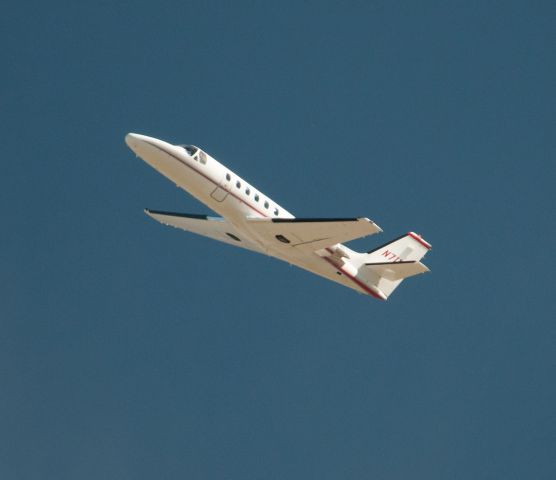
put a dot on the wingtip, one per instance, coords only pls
(375, 226)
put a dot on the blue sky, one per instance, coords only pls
(130, 350)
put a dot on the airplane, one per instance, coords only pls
(251, 220)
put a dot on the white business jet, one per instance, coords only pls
(251, 220)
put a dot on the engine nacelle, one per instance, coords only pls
(349, 269)
(341, 252)
(337, 251)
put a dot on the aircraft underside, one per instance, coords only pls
(251, 220)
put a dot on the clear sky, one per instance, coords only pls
(133, 351)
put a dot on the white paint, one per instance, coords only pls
(247, 214)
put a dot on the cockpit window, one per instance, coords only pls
(190, 149)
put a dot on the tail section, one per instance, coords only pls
(406, 248)
(397, 270)
(387, 266)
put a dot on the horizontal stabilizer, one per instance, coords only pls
(397, 270)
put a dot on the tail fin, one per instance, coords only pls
(387, 266)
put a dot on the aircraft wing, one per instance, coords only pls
(311, 234)
(213, 227)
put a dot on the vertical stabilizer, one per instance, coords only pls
(387, 266)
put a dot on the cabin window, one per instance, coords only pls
(228, 177)
(238, 184)
(256, 197)
(276, 212)
(265, 204)
(247, 191)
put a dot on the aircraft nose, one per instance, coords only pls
(148, 147)
(140, 144)
(133, 139)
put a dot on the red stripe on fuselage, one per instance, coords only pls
(352, 278)
(208, 178)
